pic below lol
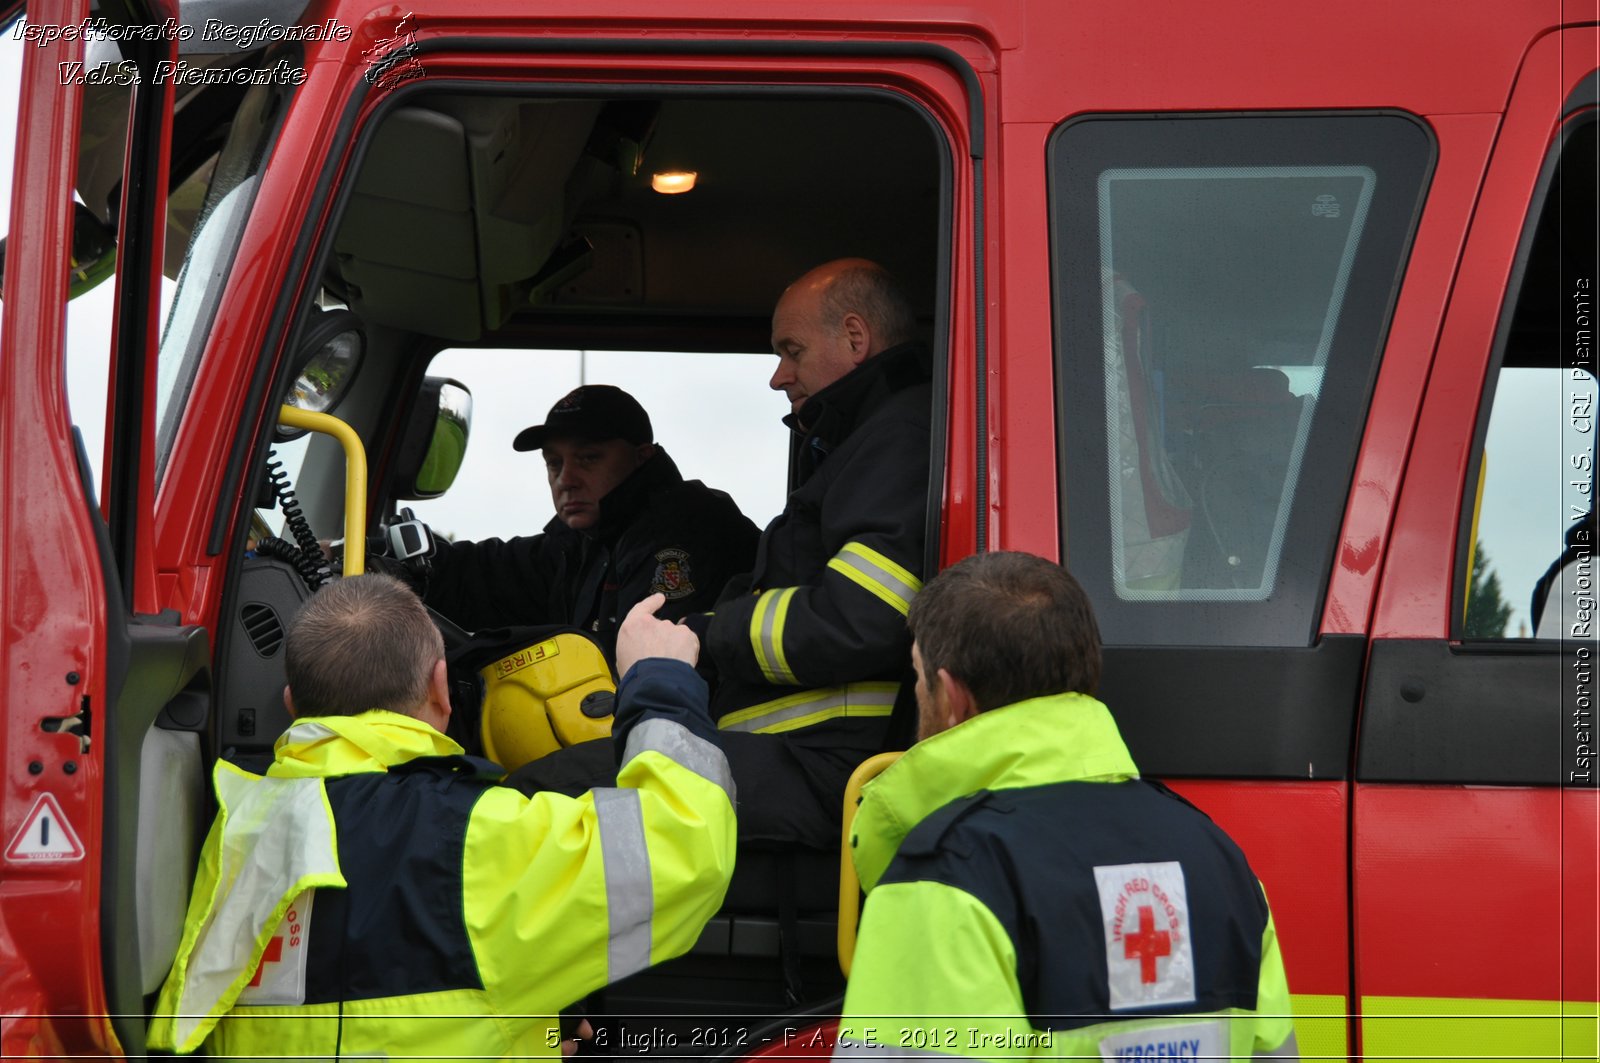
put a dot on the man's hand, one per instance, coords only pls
(642, 635)
(585, 1032)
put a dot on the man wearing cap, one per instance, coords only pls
(627, 526)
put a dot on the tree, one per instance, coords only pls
(1487, 610)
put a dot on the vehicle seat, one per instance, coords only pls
(1244, 430)
(172, 799)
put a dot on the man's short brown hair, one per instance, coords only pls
(364, 642)
(871, 291)
(1011, 626)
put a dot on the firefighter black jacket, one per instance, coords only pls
(656, 532)
(811, 647)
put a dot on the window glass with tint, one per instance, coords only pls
(1222, 289)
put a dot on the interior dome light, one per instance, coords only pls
(672, 182)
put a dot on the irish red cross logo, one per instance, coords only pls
(1149, 958)
(1147, 944)
(273, 954)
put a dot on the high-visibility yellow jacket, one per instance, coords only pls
(376, 894)
(1030, 897)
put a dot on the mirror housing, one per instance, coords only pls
(326, 362)
(435, 441)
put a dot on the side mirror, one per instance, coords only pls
(435, 442)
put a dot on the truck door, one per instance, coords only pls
(1475, 828)
(1223, 288)
(102, 698)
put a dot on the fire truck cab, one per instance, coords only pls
(1275, 326)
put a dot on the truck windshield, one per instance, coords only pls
(229, 193)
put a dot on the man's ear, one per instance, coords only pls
(288, 703)
(960, 705)
(439, 695)
(859, 335)
(644, 452)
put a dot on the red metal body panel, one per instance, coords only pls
(1469, 874)
(52, 603)
(1022, 438)
(1167, 71)
(1481, 892)
(1420, 852)
(1464, 143)
(1419, 569)
(1294, 835)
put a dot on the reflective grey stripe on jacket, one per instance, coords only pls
(630, 900)
(684, 748)
(1290, 1049)
(794, 711)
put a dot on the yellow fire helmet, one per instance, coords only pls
(549, 695)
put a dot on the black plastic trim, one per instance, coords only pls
(1269, 712)
(119, 966)
(1503, 712)
(1587, 94)
(142, 193)
(658, 46)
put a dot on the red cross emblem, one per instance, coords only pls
(273, 954)
(1147, 945)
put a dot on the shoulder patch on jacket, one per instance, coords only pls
(1145, 912)
(672, 577)
(280, 977)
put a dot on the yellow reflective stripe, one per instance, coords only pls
(1463, 1028)
(794, 711)
(780, 613)
(766, 635)
(879, 576)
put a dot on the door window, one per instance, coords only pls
(502, 493)
(1529, 567)
(1222, 290)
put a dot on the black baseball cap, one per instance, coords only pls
(593, 411)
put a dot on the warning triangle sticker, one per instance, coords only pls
(45, 835)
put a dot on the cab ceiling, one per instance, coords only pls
(505, 220)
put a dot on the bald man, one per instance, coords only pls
(811, 647)
(809, 650)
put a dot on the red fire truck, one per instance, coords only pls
(1274, 323)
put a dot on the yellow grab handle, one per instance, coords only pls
(849, 884)
(355, 479)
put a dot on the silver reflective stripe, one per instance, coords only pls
(683, 747)
(832, 701)
(630, 901)
(877, 1051)
(1290, 1049)
(877, 574)
(767, 632)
